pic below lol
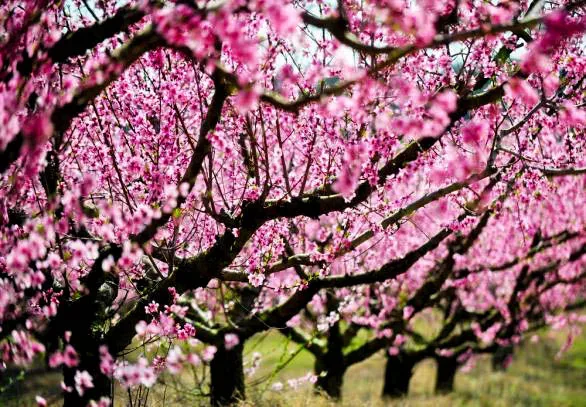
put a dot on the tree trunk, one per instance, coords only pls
(446, 372)
(227, 376)
(330, 378)
(102, 385)
(330, 367)
(84, 318)
(501, 358)
(398, 372)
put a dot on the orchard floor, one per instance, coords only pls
(535, 378)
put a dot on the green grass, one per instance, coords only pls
(535, 378)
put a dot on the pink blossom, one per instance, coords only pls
(208, 353)
(106, 361)
(193, 359)
(256, 279)
(38, 129)
(408, 312)
(446, 100)
(70, 358)
(83, 381)
(175, 359)
(520, 88)
(103, 402)
(231, 341)
(559, 26)
(246, 100)
(347, 180)
(475, 131)
(283, 17)
(572, 116)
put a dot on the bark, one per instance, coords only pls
(501, 358)
(227, 376)
(446, 372)
(398, 372)
(90, 362)
(330, 367)
(80, 318)
(330, 382)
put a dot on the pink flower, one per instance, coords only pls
(187, 332)
(520, 88)
(152, 308)
(175, 359)
(194, 359)
(440, 108)
(38, 128)
(140, 373)
(56, 359)
(351, 169)
(535, 61)
(65, 388)
(70, 358)
(246, 100)
(571, 116)
(208, 353)
(41, 402)
(445, 352)
(103, 402)
(106, 361)
(284, 18)
(256, 279)
(551, 84)
(408, 312)
(141, 328)
(231, 340)
(560, 26)
(534, 339)
(399, 340)
(475, 131)
(83, 381)
(503, 13)
(447, 101)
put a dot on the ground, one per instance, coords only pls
(535, 378)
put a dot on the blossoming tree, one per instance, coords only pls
(184, 172)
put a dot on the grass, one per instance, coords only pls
(535, 378)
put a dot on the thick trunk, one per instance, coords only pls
(398, 372)
(330, 379)
(84, 319)
(102, 385)
(446, 372)
(501, 358)
(330, 367)
(227, 376)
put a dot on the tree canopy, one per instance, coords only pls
(178, 176)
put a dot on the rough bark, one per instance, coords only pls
(398, 372)
(227, 376)
(90, 362)
(330, 381)
(446, 372)
(330, 368)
